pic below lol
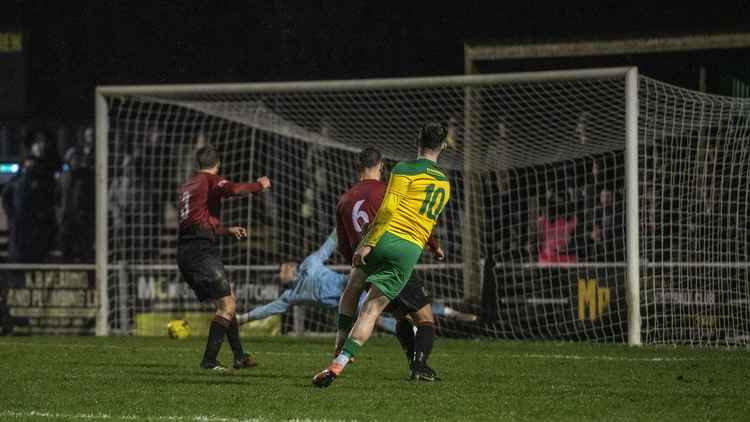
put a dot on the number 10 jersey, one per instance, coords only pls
(417, 193)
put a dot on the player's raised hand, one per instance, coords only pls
(265, 182)
(237, 232)
(358, 259)
(439, 254)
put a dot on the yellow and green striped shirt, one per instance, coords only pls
(417, 193)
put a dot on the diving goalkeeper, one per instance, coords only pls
(311, 282)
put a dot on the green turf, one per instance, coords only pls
(82, 378)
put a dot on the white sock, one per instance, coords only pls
(342, 359)
(339, 363)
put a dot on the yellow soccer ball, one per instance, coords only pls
(178, 329)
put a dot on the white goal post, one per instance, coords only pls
(554, 174)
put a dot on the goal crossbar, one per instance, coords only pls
(363, 84)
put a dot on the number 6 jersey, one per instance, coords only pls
(355, 209)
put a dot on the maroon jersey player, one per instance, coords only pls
(198, 255)
(356, 208)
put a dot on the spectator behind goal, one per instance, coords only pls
(78, 208)
(29, 202)
(555, 232)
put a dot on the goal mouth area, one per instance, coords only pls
(671, 161)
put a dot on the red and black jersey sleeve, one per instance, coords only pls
(355, 209)
(226, 188)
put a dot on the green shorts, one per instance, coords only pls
(390, 264)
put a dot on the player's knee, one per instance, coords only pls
(424, 316)
(425, 323)
(373, 308)
(226, 307)
(368, 314)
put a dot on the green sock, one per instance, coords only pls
(345, 323)
(350, 347)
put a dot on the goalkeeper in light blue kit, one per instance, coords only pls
(313, 283)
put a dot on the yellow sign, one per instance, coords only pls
(11, 42)
(593, 296)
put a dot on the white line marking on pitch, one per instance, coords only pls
(100, 416)
(443, 354)
(105, 416)
(606, 358)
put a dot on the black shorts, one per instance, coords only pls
(411, 298)
(199, 261)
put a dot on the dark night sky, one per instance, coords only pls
(74, 45)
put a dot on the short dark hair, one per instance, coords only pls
(368, 158)
(432, 136)
(206, 157)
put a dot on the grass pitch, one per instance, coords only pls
(127, 378)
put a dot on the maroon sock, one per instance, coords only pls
(216, 333)
(233, 335)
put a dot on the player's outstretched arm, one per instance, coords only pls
(326, 249)
(278, 306)
(228, 188)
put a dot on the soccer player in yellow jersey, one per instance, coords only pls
(417, 193)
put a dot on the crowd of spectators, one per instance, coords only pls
(49, 202)
(563, 212)
(692, 189)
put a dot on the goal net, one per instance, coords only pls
(536, 230)
(694, 178)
